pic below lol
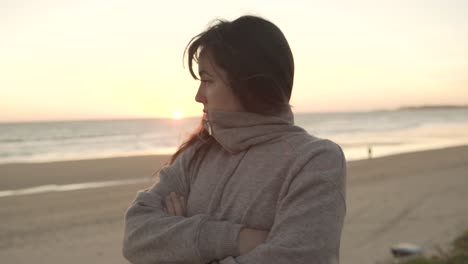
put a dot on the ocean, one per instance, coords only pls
(384, 132)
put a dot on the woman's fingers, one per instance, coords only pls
(177, 204)
(169, 206)
(184, 205)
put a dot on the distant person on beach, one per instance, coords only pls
(248, 186)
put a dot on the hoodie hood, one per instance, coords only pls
(237, 131)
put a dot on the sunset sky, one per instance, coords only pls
(98, 59)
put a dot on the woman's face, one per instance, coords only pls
(214, 91)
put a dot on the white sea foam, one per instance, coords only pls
(68, 187)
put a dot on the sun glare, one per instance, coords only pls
(177, 115)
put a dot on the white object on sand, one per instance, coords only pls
(405, 249)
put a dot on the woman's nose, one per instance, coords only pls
(199, 97)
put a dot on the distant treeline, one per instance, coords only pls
(431, 107)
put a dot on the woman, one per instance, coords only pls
(249, 186)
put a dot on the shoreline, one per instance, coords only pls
(11, 174)
(415, 197)
(26, 175)
(384, 150)
(413, 149)
(11, 183)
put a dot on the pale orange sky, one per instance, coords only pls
(119, 59)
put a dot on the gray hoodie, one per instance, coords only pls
(260, 172)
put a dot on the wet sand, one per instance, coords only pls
(415, 197)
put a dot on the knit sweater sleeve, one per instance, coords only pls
(309, 218)
(153, 236)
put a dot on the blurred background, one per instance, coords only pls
(94, 96)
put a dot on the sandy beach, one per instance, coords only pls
(416, 197)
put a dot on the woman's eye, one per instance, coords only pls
(205, 81)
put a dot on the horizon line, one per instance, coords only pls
(400, 108)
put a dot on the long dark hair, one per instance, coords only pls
(258, 61)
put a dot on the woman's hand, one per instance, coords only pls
(250, 238)
(175, 205)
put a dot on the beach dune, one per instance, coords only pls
(416, 197)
